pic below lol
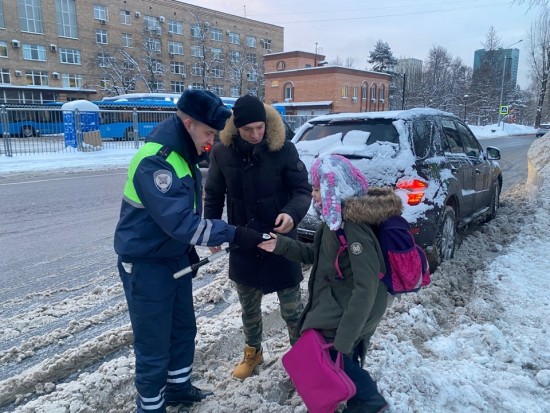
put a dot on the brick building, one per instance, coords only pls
(53, 50)
(304, 84)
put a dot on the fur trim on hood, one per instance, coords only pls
(374, 208)
(274, 130)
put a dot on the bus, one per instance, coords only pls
(28, 120)
(118, 113)
(118, 119)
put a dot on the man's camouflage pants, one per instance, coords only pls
(251, 302)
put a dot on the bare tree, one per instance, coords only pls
(337, 61)
(118, 71)
(539, 57)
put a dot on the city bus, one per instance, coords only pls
(28, 120)
(117, 113)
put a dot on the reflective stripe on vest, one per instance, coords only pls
(151, 149)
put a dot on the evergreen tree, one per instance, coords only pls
(382, 58)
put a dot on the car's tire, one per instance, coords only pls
(27, 131)
(495, 203)
(445, 239)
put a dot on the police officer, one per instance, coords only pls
(160, 222)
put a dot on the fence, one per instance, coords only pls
(38, 130)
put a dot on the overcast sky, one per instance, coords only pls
(352, 27)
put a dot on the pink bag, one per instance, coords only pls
(321, 383)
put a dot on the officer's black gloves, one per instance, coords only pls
(247, 238)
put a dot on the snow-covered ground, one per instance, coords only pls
(476, 340)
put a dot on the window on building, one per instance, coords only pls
(30, 16)
(104, 60)
(252, 76)
(177, 68)
(197, 69)
(3, 49)
(217, 72)
(2, 15)
(381, 93)
(218, 90)
(252, 58)
(34, 52)
(354, 92)
(175, 27)
(234, 91)
(69, 56)
(234, 38)
(364, 89)
(217, 53)
(36, 78)
(5, 76)
(344, 92)
(196, 31)
(101, 36)
(157, 66)
(105, 83)
(234, 74)
(197, 86)
(216, 35)
(373, 92)
(235, 56)
(124, 16)
(175, 48)
(127, 40)
(196, 51)
(152, 45)
(156, 86)
(128, 64)
(250, 41)
(65, 12)
(72, 81)
(266, 44)
(177, 86)
(289, 92)
(100, 12)
(152, 24)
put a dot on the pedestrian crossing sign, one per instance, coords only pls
(504, 110)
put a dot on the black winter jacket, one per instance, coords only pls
(260, 181)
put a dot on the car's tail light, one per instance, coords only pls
(415, 189)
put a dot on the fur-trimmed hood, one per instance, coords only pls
(374, 208)
(274, 130)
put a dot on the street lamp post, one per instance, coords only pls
(502, 81)
(465, 101)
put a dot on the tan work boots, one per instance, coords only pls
(250, 361)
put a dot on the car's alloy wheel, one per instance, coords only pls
(495, 202)
(446, 239)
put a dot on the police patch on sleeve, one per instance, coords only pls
(356, 248)
(300, 166)
(163, 180)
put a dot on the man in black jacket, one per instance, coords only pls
(258, 172)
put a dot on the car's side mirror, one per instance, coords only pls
(493, 154)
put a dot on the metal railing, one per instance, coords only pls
(39, 130)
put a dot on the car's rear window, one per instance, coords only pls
(381, 130)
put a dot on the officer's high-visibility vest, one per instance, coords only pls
(151, 149)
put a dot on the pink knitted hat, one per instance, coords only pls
(337, 179)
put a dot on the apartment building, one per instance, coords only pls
(304, 84)
(61, 50)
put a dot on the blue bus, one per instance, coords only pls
(28, 120)
(118, 113)
(118, 119)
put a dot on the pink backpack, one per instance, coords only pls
(321, 383)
